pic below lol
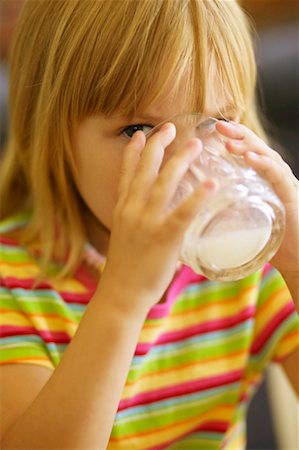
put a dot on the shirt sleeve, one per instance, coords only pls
(276, 331)
(20, 341)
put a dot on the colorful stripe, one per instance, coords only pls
(199, 359)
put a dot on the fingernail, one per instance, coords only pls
(230, 124)
(137, 135)
(210, 185)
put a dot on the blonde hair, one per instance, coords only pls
(72, 59)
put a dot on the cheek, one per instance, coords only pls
(97, 182)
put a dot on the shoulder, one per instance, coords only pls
(276, 319)
(17, 262)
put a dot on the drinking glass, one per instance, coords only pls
(241, 227)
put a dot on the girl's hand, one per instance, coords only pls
(243, 142)
(146, 235)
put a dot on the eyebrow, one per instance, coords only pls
(148, 118)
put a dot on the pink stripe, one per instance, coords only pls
(181, 389)
(272, 327)
(57, 337)
(26, 283)
(266, 269)
(85, 278)
(197, 330)
(12, 330)
(7, 241)
(217, 426)
(184, 278)
(72, 297)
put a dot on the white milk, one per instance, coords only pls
(233, 248)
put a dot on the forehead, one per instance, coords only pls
(170, 104)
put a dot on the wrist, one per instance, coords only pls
(122, 301)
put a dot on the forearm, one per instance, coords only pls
(77, 407)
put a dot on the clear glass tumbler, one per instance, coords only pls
(241, 227)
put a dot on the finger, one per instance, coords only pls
(171, 175)
(240, 148)
(242, 139)
(183, 215)
(229, 130)
(239, 132)
(130, 160)
(151, 159)
(280, 176)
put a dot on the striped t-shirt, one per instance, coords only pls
(199, 358)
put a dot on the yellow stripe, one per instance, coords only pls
(178, 429)
(287, 345)
(15, 264)
(40, 322)
(29, 360)
(184, 374)
(197, 316)
(15, 319)
(25, 271)
(271, 307)
(20, 272)
(68, 285)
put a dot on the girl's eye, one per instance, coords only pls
(130, 130)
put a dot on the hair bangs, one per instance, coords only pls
(123, 75)
(232, 63)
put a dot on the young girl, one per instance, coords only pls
(106, 341)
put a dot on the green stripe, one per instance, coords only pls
(11, 223)
(158, 416)
(270, 285)
(32, 303)
(209, 293)
(23, 350)
(205, 441)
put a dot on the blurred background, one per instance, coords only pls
(273, 416)
(9, 11)
(277, 54)
(273, 419)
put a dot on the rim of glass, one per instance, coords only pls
(177, 116)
